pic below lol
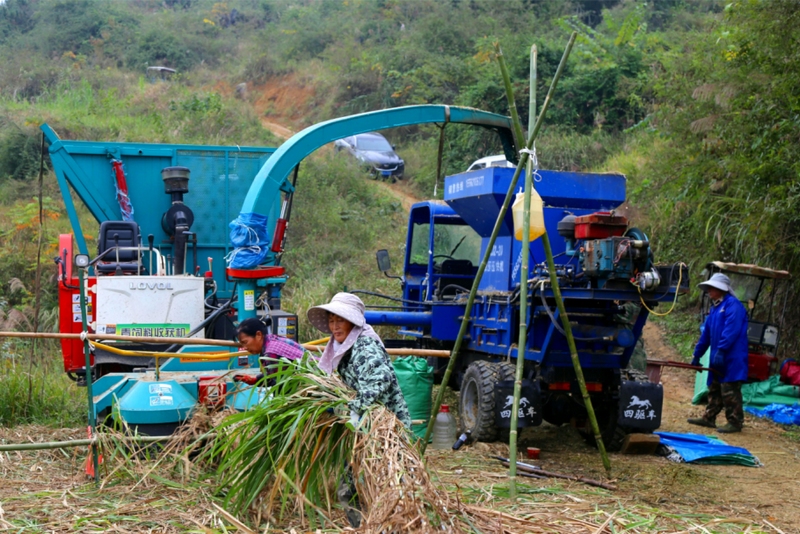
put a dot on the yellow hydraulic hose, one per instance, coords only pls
(206, 356)
(674, 302)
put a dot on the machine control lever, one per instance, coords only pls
(150, 240)
(191, 237)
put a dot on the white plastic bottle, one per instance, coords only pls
(536, 222)
(444, 429)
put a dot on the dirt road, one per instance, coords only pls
(772, 492)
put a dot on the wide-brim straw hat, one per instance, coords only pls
(717, 281)
(345, 305)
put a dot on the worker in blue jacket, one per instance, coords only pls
(725, 331)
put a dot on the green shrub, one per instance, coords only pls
(565, 150)
(19, 154)
(263, 67)
(79, 26)
(162, 48)
(39, 392)
(16, 18)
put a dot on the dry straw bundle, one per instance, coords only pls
(397, 491)
(286, 457)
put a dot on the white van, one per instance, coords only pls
(491, 161)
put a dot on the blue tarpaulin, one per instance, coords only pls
(755, 394)
(702, 449)
(780, 413)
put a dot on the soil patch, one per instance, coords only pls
(402, 191)
(281, 103)
(772, 491)
(768, 496)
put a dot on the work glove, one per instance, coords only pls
(718, 359)
(248, 379)
(696, 361)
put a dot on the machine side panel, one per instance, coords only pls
(219, 180)
(165, 306)
(446, 322)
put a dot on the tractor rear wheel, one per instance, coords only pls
(476, 402)
(611, 431)
(505, 371)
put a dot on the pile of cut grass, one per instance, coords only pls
(46, 491)
(286, 457)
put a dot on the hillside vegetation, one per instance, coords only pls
(694, 100)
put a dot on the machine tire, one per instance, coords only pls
(613, 434)
(505, 371)
(476, 402)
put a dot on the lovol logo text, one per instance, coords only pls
(152, 285)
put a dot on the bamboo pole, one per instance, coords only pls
(419, 352)
(532, 89)
(37, 283)
(498, 223)
(45, 445)
(519, 136)
(576, 363)
(198, 341)
(573, 352)
(112, 337)
(88, 355)
(523, 302)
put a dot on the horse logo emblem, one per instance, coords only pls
(636, 402)
(522, 401)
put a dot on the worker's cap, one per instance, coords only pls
(345, 305)
(717, 281)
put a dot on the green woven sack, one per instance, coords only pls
(416, 382)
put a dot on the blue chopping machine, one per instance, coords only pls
(607, 278)
(164, 213)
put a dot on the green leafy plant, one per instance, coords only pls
(19, 155)
(288, 448)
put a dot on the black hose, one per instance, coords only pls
(417, 303)
(205, 322)
(669, 282)
(456, 286)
